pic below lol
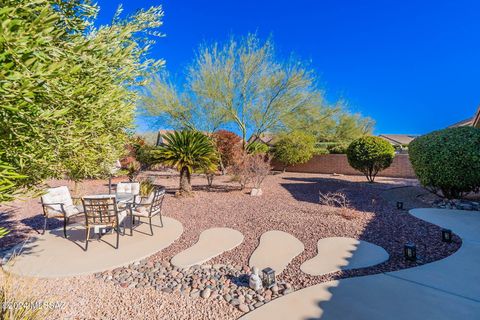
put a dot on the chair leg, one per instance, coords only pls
(65, 226)
(45, 225)
(87, 236)
(150, 222)
(161, 221)
(118, 237)
(131, 224)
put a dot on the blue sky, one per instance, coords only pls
(413, 66)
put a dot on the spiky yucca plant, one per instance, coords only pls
(187, 151)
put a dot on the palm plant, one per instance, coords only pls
(187, 151)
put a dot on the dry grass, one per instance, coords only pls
(338, 203)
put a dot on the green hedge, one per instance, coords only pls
(370, 155)
(447, 161)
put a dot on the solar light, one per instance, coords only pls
(447, 235)
(400, 205)
(410, 252)
(268, 277)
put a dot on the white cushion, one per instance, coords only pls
(141, 211)
(57, 195)
(129, 187)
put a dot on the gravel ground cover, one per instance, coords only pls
(290, 203)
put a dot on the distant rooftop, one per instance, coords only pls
(398, 139)
(472, 121)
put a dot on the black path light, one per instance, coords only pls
(399, 205)
(410, 252)
(447, 235)
(268, 277)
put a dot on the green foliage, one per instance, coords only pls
(337, 148)
(187, 151)
(67, 88)
(257, 147)
(448, 161)
(3, 232)
(294, 148)
(370, 155)
(146, 187)
(241, 82)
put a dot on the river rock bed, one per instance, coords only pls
(221, 282)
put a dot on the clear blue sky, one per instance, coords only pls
(413, 66)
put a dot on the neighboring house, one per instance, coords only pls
(473, 121)
(398, 140)
(266, 138)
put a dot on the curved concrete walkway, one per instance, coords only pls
(211, 243)
(445, 289)
(275, 250)
(341, 253)
(53, 256)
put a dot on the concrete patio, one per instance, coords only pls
(446, 289)
(53, 256)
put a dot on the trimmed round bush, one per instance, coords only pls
(370, 155)
(447, 162)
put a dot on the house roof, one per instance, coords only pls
(266, 138)
(398, 139)
(472, 121)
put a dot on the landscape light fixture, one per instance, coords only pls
(410, 252)
(268, 277)
(400, 205)
(447, 235)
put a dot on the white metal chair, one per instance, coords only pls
(58, 203)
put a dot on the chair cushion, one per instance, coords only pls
(128, 187)
(58, 195)
(142, 211)
(122, 215)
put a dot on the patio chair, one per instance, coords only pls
(132, 188)
(102, 212)
(148, 208)
(58, 203)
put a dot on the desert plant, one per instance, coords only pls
(294, 148)
(146, 187)
(257, 147)
(251, 168)
(187, 151)
(338, 203)
(370, 155)
(228, 145)
(337, 148)
(447, 162)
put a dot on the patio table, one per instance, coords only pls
(120, 198)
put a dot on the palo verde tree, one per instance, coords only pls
(241, 83)
(67, 87)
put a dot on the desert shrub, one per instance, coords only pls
(228, 146)
(251, 168)
(337, 149)
(257, 147)
(294, 148)
(370, 155)
(338, 203)
(447, 162)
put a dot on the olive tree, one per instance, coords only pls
(68, 88)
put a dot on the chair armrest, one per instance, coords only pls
(53, 204)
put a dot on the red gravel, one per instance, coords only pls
(289, 203)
